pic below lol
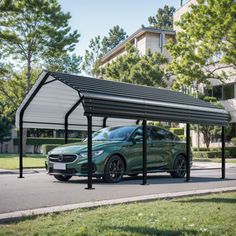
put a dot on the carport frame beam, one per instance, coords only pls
(223, 152)
(144, 152)
(90, 162)
(188, 151)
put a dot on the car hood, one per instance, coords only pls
(76, 148)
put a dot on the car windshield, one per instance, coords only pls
(113, 133)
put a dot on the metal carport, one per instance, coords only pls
(64, 101)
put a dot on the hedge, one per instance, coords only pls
(209, 154)
(41, 141)
(48, 147)
(177, 131)
(230, 151)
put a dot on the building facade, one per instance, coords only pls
(143, 39)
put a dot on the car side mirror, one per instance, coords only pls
(137, 138)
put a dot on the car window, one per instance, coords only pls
(139, 132)
(162, 134)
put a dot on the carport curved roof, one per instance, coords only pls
(55, 93)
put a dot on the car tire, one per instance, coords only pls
(179, 167)
(63, 178)
(114, 169)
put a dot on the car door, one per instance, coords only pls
(134, 151)
(162, 146)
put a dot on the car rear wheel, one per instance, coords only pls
(62, 177)
(114, 169)
(180, 166)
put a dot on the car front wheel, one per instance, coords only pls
(62, 177)
(114, 169)
(180, 167)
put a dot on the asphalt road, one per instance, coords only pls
(39, 190)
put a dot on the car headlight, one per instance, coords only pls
(94, 153)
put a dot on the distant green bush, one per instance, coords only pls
(233, 141)
(47, 148)
(230, 151)
(209, 154)
(41, 141)
(177, 131)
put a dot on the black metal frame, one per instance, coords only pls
(21, 124)
(89, 140)
(188, 150)
(67, 117)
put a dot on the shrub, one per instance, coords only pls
(233, 141)
(209, 154)
(177, 131)
(229, 151)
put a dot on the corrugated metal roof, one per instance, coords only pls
(124, 100)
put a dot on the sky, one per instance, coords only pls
(96, 17)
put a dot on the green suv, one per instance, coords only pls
(117, 151)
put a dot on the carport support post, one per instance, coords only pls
(21, 150)
(188, 151)
(223, 153)
(144, 152)
(89, 143)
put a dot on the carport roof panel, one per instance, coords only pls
(107, 87)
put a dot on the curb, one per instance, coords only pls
(17, 215)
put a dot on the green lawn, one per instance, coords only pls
(205, 215)
(11, 161)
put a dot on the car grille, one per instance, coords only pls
(62, 158)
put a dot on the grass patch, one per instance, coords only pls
(11, 161)
(204, 215)
(216, 160)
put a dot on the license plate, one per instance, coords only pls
(59, 166)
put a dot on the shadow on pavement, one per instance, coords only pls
(154, 179)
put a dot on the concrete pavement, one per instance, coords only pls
(38, 190)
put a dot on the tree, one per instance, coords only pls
(13, 91)
(211, 132)
(163, 18)
(35, 30)
(100, 46)
(67, 63)
(5, 130)
(137, 69)
(115, 36)
(205, 45)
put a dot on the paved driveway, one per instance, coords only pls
(38, 190)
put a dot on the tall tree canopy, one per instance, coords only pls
(137, 69)
(206, 43)
(163, 18)
(35, 30)
(99, 46)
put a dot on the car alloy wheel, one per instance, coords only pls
(114, 169)
(179, 167)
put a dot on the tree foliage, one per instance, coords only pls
(13, 90)
(211, 132)
(163, 18)
(205, 45)
(135, 68)
(33, 31)
(99, 46)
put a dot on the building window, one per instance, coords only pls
(217, 92)
(228, 91)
